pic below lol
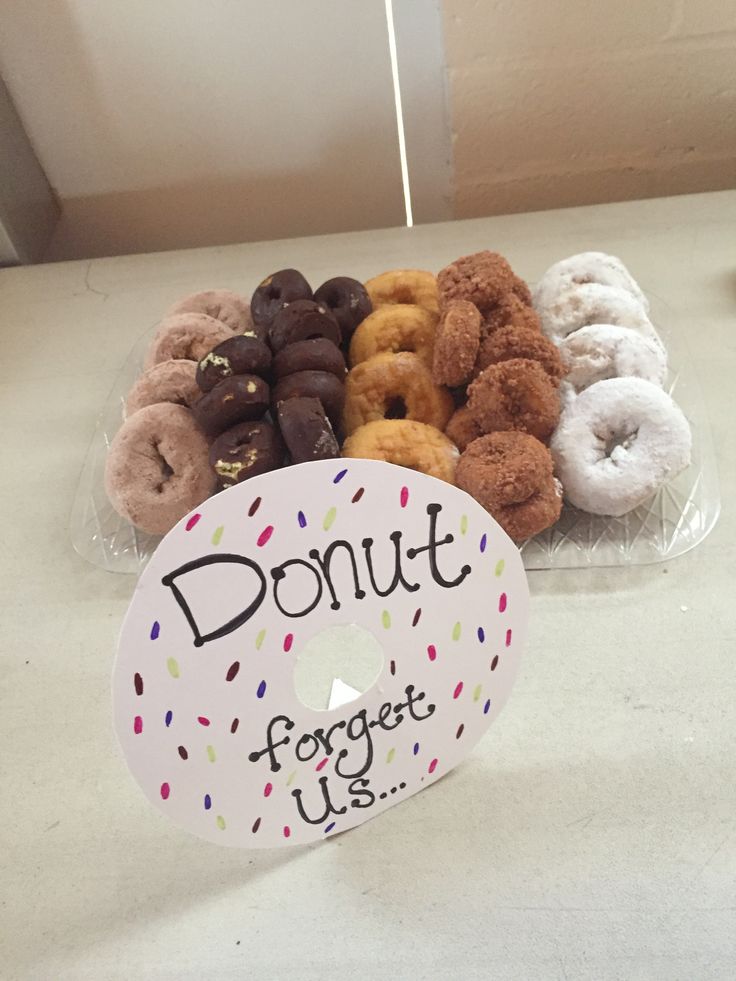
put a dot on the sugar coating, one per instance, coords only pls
(602, 351)
(186, 335)
(593, 303)
(224, 305)
(586, 267)
(168, 381)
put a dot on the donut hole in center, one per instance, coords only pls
(621, 439)
(166, 471)
(340, 663)
(396, 408)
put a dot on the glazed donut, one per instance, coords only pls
(483, 278)
(457, 342)
(520, 342)
(601, 351)
(617, 443)
(462, 429)
(510, 311)
(593, 303)
(586, 267)
(167, 381)
(223, 305)
(510, 474)
(394, 386)
(187, 336)
(406, 443)
(414, 286)
(516, 394)
(395, 327)
(157, 467)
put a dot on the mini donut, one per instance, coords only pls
(240, 398)
(302, 320)
(593, 303)
(187, 336)
(238, 355)
(395, 327)
(395, 386)
(413, 286)
(284, 286)
(510, 311)
(462, 429)
(520, 342)
(617, 443)
(483, 278)
(406, 443)
(601, 351)
(586, 267)
(348, 302)
(318, 354)
(167, 381)
(510, 475)
(521, 291)
(322, 385)
(516, 394)
(157, 468)
(246, 450)
(224, 305)
(457, 342)
(307, 431)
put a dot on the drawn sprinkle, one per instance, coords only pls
(203, 721)
(138, 683)
(329, 518)
(433, 765)
(192, 522)
(264, 536)
(329, 827)
(338, 477)
(301, 519)
(232, 671)
(432, 652)
(483, 542)
(183, 753)
(138, 725)
(508, 638)
(415, 621)
(494, 662)
(499, 567)
(254, 507)
(260, 637)
(390, 755)
(234, 726)
(220, 822)
(459, 730)
(322, 764)
(476, 692)
(217, 536)
(386, 619)
(256, 825)
(456, 631)
(288, 641)
(463, 524)
(287, 831)
(502, 603)
(168, 717)
(173, 667)
(165, 791)
(261, 690)
(392, 667)
(404, 497)
(481, 634)
(458, 690)
(207, 802)
(155, 630)
(416, 748)
(211, 754)
(486, 707)
(267, 790)
(356, 497)
(290, 778)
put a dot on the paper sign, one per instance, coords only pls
(205, 705)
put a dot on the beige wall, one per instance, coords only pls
(558, 102)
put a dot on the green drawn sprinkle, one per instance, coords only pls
(386, 619)
(456, 631)
(173, 667)
(499, 567)
(220, 822)
(260, 638)
(211, 754)
(390, 755)
(329, 518)
(218, 535)
(476, 692)
(463, 524)
(291, 777)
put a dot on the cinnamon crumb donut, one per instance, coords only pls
(510, 311)
(483, 278)
(456, 344)
(516, 394)
(395, 327)
(413, 286)
(521, 290)
(520, 342)
(510, 475)
(462, 429)
(406, 443)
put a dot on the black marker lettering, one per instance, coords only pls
(306, 738)
(324, 564)
(383, 713)
(358, 789)
(279, 574)
(398, 574)
(363, 732)
(433, 510)
(411, 701)
(329, 808)
(271, 745)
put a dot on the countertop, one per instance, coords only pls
(591, 835)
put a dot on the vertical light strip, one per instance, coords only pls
(399, 113)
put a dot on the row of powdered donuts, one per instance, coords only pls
(194, 420)
(620, 436)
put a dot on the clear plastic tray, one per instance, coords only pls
(673, 522)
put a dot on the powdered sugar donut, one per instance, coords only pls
(231, 308)
(586, 267)
(169, 381)
(617, 443)
(601, 351)
(186, 335)
(593, 303)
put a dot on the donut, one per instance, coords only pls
(224, 305)
(593, 303)
(617, 443)
(318, 354)
(302, 320)
(456, 344)
(395, 327)
(483, 278)
(186, 336)
(516, 394)
(510, 311)
(168, 381)
(462, 429)
(238, 355)
(586, 267)
(240, 398)
(412, 286)
(306, 430)
(521, 291)
(347, 300)
(406, 443)
(322, 385)
(601, 351)
(510, 474)
(246, 450)
(157, 468)
(274, 291)
(395, 386)
(520, 342)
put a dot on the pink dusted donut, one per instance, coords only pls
(601, 351)
(586, 267)
(617, 443)
(593, 303)
(231, 308)
(157, 467)
(187, 336)
(168, 381)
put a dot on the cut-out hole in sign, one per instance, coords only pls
(336, 666)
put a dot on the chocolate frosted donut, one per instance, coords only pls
(157, 468)
(239, 355)
(279, 288)
(236, 399)
(302, 320)
(231, 308)
(347, 300)
(187, 336)
(168, 381)
(313, 384)
(318, 354)
(307, 431)
(246, 450)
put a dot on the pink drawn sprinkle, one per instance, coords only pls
(267, 790)
(165, 791)
(508, 638)
(264, 536)
(404, 498)
(433, 765)
(502, 603)
(192, 522)
(322, 764)
(288, 641)
(287, 831)
(202, 720)
(138, 725)
(431, 652)
(458, 689)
